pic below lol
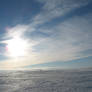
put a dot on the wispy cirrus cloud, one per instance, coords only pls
(57, 8)
(64, 41)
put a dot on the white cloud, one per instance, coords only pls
(56, 8)
(67, 41)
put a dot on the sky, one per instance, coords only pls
(45, 34)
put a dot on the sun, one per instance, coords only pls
(16, 47)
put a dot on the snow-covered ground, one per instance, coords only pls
(46, 81)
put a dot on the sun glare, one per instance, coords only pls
(16, 47)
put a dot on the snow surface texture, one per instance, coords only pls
(46, 81)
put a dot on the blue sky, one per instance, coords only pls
(45, 33)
